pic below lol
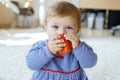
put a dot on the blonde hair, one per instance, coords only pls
(63, 9)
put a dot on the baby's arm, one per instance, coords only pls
(38, 56)
(85, 55)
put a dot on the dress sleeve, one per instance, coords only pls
(38, 56)
(85, 55)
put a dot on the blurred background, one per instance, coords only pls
(21, 25)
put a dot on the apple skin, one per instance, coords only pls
(68, 46)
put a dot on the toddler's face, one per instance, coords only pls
(61, 25)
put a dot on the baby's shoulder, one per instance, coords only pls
(41, 43)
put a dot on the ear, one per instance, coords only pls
(79, 29)
(45, 25)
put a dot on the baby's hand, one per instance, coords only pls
(55, 45)
(74, 38)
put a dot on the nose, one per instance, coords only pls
(62, 31)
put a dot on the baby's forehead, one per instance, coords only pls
(61, 17)
(63, 21)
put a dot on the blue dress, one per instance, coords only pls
(56, 67)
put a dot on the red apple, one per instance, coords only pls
(68, 46)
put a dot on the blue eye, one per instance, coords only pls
(55, 27)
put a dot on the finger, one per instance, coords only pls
(58, 41)
(59, 48)
(56, 48)
(53, 38)
(61, 45)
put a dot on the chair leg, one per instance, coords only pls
(113, 33)
(114, 29)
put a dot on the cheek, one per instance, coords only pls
(70, 32)
(51, 34)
